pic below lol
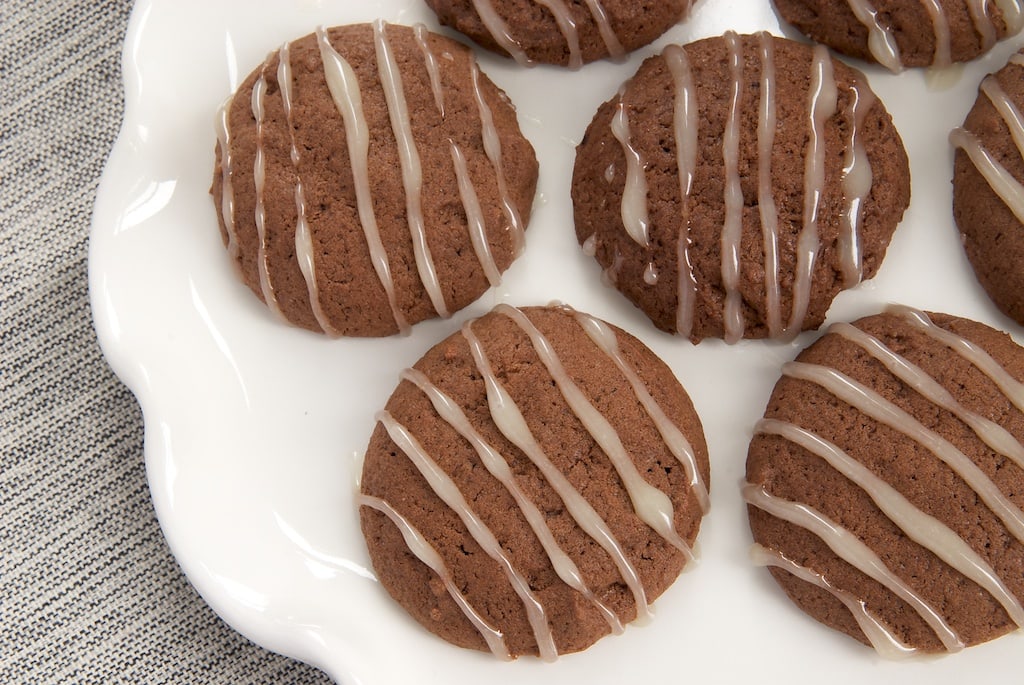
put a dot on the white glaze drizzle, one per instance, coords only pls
(878, 408)
(492, 148)
(259, 177)
(651, 505)
(1011, 388)
(590, 245)
(430, 62)
(227, 194)
(822, 105)
(852, 550)
(1013, 14)
(1002, 182)
(879, 635)
(409, 159)
(445, 488)
(732, 228)
(857, 177)
(304, 253)
(1016, 58)
(685, 124)
(474, 216)
(604, 27)
(634, 194)
(344, 89)
(567, 27)
(768, 210)
(940, 28)
(498, 467)
(509, 420)
(604, 337)
(499, 31)
(982, 22)
(423, 551)
(919, 526)
(989, 432)
(881, 43)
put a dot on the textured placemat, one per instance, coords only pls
(89, 592)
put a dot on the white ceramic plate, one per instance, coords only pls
(254, 430)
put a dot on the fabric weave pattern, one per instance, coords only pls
(89, 592)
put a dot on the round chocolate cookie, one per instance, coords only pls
(988, 199)
(735, 185)
(565, 32)
(905, 33)
(320, 179)
(885, 483)
(534, 483)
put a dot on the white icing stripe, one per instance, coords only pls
(982, 22)
(344, 88)
(849, 548)
(259, 176)
(1016, 58)
(498, 467)
(509, 420)
(604, 337)
(492, 148)
(1013, 14)
(989, 432)
(1002, 182)
(651, 505)
(604, 27)
(881, 43)
(732, 228)
(227, 195)
(634, 193)
(878, 408)
(423, 551)
(881, 637)
(822, 105)
(445, 488)
(1007, 110)
(499, 31)
(940, 29)
(567, 26)
(920, 527)
(1007, 384)
(856, 179)
(304, 253)
(430, 62)
(474, 216)
(685, 125)
(768, 210)
(409, 159)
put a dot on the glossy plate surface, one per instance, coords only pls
(254, 430)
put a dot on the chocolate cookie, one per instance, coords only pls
(905, 33)
(735, 185)
(988, 198)
(885, 483)
(534, 483)
(566, 32)
(321, 163)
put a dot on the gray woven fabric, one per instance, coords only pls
(88, 590)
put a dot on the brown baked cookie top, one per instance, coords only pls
(535, 481)
(369, 177)
(566, 32)
(885, 483)
(736, 185)
(988, 198)
(905, 33)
